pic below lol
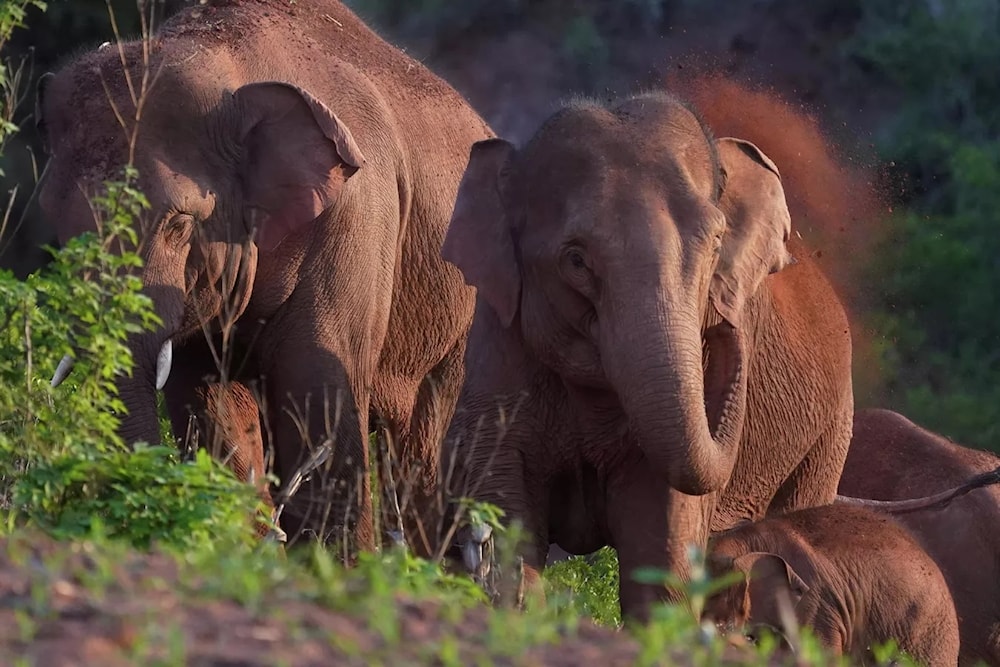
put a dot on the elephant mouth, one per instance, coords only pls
(723, 372)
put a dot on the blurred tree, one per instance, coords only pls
(940, 268)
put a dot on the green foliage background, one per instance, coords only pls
(939, 269)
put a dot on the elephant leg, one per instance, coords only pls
(523, 497)
(830, 630)
(318, 410)
(814, 481)
(416, 430)
(652, 525)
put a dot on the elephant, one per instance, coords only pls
(853, 576)
(653, 356)
(301, 173)
(230, 430)
(891, 457)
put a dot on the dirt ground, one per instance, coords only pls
(60, 608)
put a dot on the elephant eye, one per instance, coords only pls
(577, 260)
(178, 227)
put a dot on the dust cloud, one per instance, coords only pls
(837, 202)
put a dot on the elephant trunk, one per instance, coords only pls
(152, 355)
(685, 399)
(141, 422)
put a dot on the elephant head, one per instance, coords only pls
(232, 169)
(769, 590)
(624, 244)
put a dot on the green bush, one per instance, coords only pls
(142, 496)
(63, 465)
(588, 585)
(938, 271)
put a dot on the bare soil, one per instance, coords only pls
(61, 607)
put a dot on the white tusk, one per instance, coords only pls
(276, 534)
(62, 371)
(163, 361)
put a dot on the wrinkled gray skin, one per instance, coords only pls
(301, 173)
(611, 254)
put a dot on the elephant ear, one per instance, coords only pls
(479, 240)
(758, 225)
(770, 581)
(297, 155)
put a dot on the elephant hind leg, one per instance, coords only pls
(814, 481)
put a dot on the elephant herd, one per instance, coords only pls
(611, 332)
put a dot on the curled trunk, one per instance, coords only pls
(688, 419)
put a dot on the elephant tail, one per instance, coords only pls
(936, 501)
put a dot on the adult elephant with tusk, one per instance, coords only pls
(301, 173)
(647, 362)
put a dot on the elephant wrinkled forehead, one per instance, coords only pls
(590, 157)
(91, 106)
(89, 114)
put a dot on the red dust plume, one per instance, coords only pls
(836, 205)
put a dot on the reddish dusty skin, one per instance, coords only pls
(301, 173)
(607, 264)
(892, 458)
(853, 576)
(230, 430)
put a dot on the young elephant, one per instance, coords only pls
(892, 458)
(854, 577)
(230, 430)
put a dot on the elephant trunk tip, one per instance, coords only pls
(695, 443)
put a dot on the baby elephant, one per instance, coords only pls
(854, 577)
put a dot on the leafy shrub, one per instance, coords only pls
(938, 269)
(65, 468)
(588, 585)
(142, 496)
